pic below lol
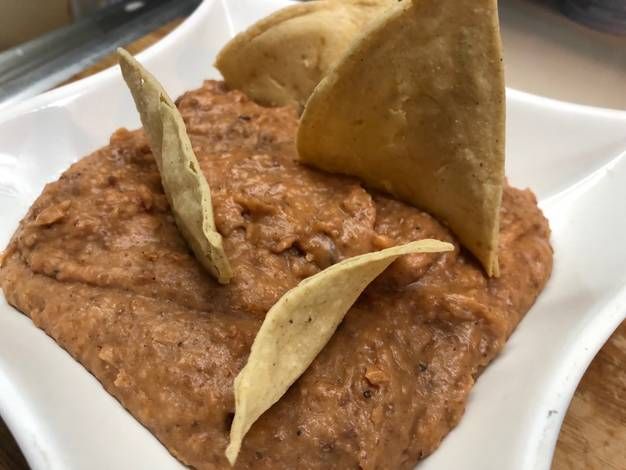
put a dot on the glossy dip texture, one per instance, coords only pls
(99, 264)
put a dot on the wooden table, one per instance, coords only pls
(593, 436)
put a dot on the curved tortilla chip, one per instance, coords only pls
(184, 184)
(280, 59)
(299, 325)
(416, 108)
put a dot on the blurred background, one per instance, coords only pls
(44, 43)
(26, 19)
(572, 50)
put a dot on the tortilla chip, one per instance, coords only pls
(416, 108)
(184, 184)
(299, 325)
(280, 59)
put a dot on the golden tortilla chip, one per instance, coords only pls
(280, 59)
(184, 184)
(299, 325)
(416, 108)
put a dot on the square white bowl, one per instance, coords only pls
(573, 157)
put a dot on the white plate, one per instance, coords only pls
(572, 156)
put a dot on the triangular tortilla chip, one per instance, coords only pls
(417, 108)
(280, 59)
(299, 325)
(184, 184)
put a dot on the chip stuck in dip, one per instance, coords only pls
(280, 59)
(416, 108)
(186, 188)
(299, 325)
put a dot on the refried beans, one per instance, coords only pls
(98, 263)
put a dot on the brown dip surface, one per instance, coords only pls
(99, 264)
